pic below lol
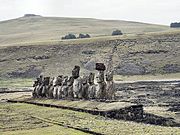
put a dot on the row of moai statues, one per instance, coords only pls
(76, 87)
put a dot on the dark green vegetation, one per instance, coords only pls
(175, 25)
(69, 36)
(116, 32)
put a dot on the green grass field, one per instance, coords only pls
(16, 83)
(21, 117)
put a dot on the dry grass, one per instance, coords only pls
(156, 77)
(27, 30)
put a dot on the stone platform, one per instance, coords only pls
(111, 109)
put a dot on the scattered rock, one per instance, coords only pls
(171, 68)
(90, 65)
(130, 69)
(29, 73)
(88, 52)
(149, 52)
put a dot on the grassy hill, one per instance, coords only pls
(43, 29)
(30, 46)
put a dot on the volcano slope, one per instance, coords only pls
(32, 45)
(134, 55)
(30, 29)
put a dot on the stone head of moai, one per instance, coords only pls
(75, 72)
(101, 68)
(91, 78)
(59, 80)
(35, 83)
(65, 80)
(85, 80)
(46, 80)
(40, 79)
(109, 76)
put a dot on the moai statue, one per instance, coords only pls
(51, 88)
(75, 72)
(57, 86)
(45, 88)
(35, 85)
(64, 88)
(40, 86)
(77, 85)
(85, 87)
(110, 90)
(70, 87)
(92, 86)
(101, 88)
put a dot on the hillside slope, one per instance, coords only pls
(42, 29)
(145, 54)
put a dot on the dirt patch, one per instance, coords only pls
(31, 72)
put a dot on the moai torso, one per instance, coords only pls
(85, 87)
(101, 88)
(45, 86)
(51, 88)
(92, 87)
(77, 88)
(64, 89)
(35, 85)
(40, 86)
(57, 86)
(70, 87)
(110, 90)
(77, 85)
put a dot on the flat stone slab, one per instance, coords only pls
(115, 109)
(84, 104)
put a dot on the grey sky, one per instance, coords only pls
(150, 11)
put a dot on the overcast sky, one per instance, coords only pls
(149, 11)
